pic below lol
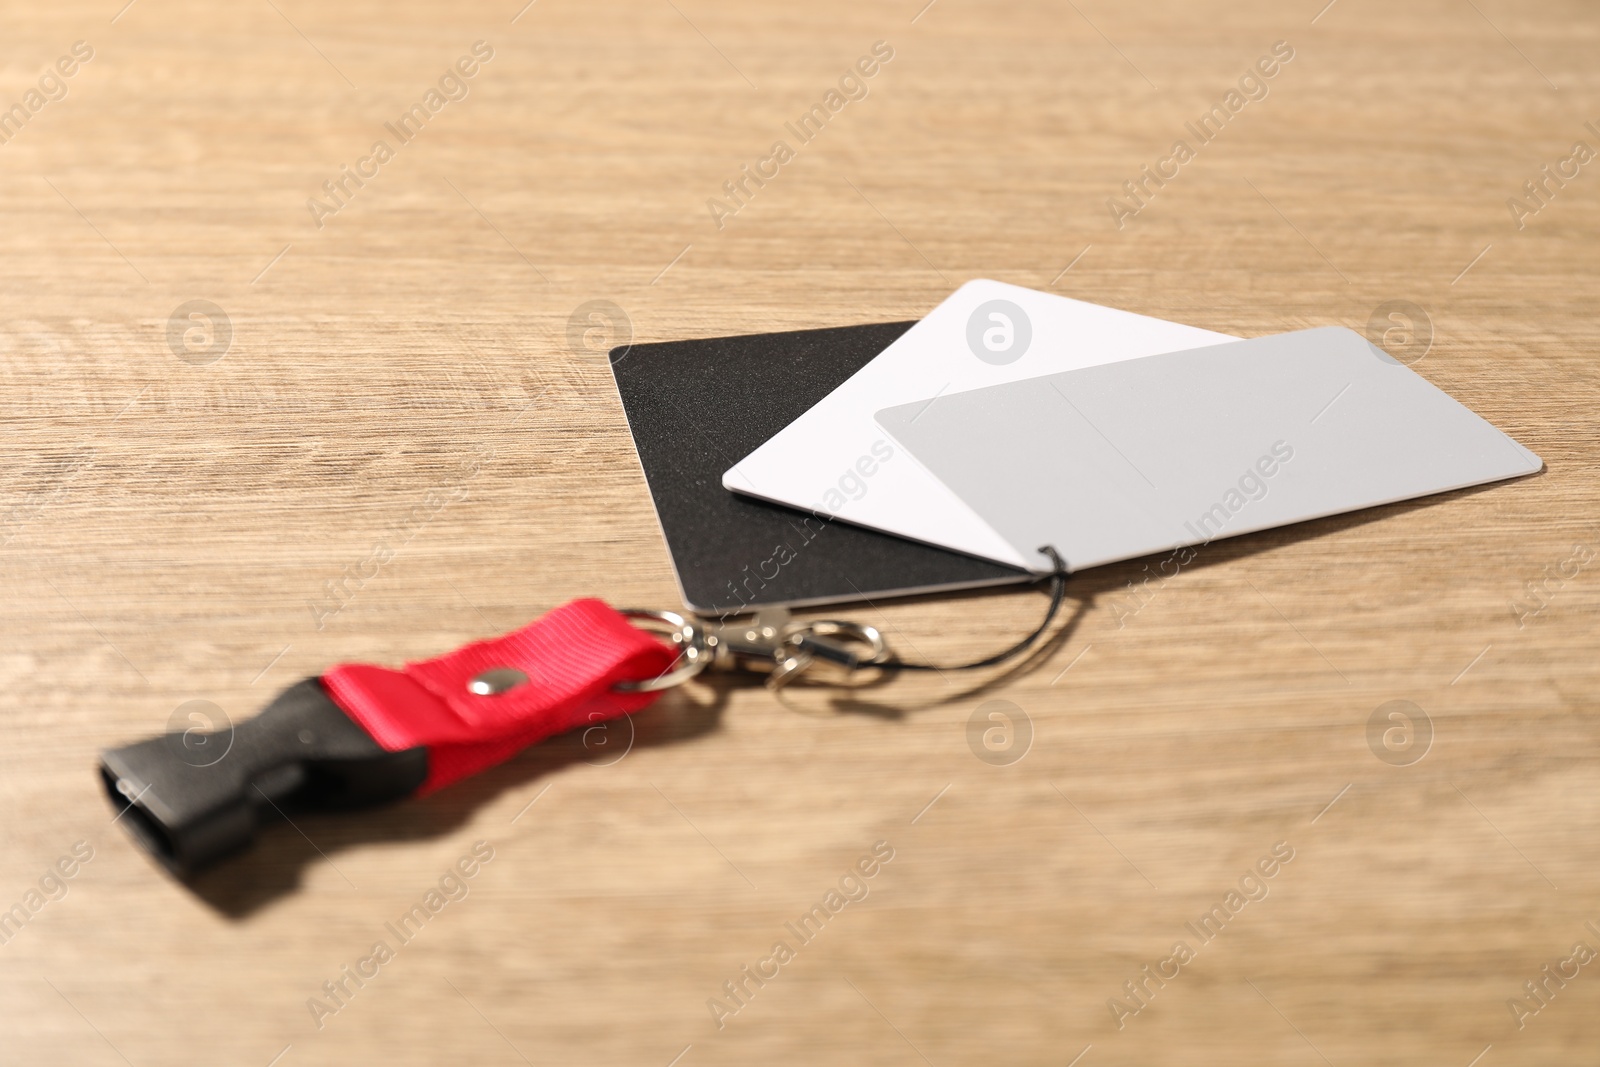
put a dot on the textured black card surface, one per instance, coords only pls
(696, 407)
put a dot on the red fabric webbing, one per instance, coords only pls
(572, 657)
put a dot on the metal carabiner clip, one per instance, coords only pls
(772, 644)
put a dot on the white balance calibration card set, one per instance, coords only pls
(1026, 419)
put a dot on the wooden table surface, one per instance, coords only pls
(398, 368)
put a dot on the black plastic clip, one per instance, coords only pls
(301, 752)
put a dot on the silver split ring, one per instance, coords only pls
(694, 654)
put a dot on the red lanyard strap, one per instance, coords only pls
(365, 734)
(362, 734)
(486, 701)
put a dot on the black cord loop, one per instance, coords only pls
(1058, 592)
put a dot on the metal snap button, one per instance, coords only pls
(496, 680)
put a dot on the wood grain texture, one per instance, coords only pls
(168, 527)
